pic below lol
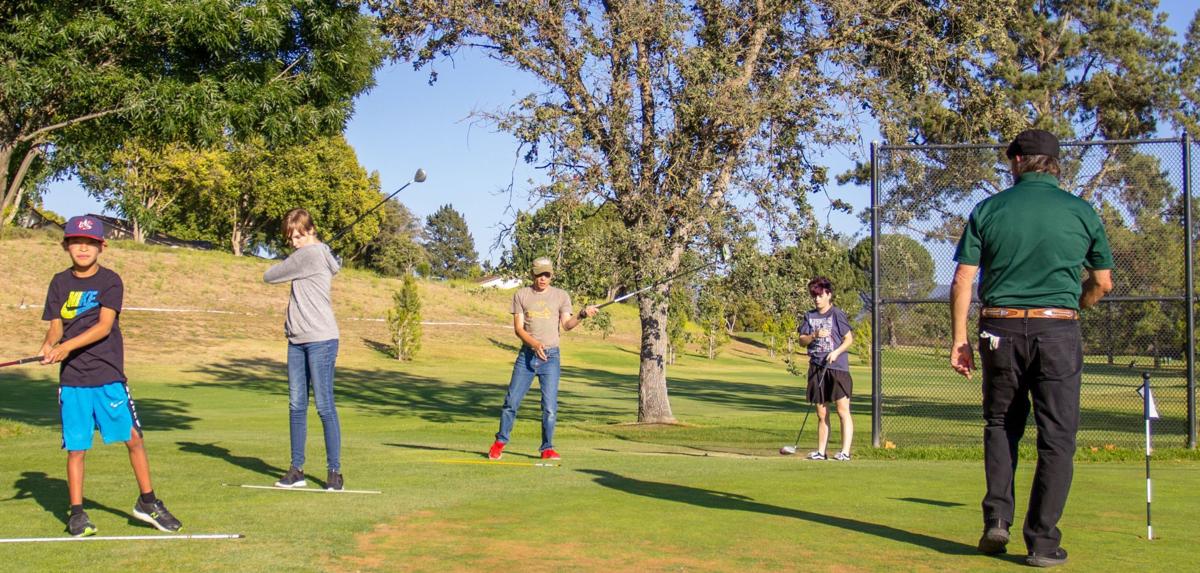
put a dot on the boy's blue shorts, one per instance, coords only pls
(84, 409)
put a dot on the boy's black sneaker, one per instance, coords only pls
(1058, 557)
(156, 514)
(995, 537)
(78, 525)
(293, 478)
(334, 481)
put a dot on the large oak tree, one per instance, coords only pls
(678, 113)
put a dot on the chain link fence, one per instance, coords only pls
(922, 196)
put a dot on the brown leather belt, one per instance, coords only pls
(1059, 313)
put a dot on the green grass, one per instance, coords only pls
(709, 494)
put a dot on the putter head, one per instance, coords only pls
(419, 177)
(787, 450)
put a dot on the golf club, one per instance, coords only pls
(21, 361)
(789, 450)
(418, 177)
(723, 255)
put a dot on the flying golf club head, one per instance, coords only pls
(787, 450)
(420, 176)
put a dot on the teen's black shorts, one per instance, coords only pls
(836, 385)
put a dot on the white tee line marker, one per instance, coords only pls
(123, 538)
(309, 489)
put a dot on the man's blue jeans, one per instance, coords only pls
(311, 365)
(525, 368)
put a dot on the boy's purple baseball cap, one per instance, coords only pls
(84, 226)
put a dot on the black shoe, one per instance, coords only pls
(334, 481)
(995, 537)
(1058, 557)
(293, 478)
(78, 525)
(156, 514)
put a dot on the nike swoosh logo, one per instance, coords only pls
(115, 404)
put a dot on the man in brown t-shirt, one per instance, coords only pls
(539, 311)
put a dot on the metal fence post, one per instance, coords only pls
(1190, 296)
(876, 381)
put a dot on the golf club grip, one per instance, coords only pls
(21, 361)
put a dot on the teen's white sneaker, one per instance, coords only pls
(842, 457)
(817, 456)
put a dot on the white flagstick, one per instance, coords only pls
(311, 489)
(1149, 412)
(123, 538)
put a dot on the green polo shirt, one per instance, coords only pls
(1031, 242)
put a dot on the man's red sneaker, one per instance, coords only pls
(550, 455)
(496, 450)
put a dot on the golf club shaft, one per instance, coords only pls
(801, 432)
(659, 283)
(347, 228)
(21, 361)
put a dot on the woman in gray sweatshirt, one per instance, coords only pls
(312, 334)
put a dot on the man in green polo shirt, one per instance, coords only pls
(1031, 240)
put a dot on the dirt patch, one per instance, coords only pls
(422, 542)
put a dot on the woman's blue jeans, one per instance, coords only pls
(310, 365)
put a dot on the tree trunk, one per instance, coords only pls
(654, 406)
(236, 241)
(16, 206)
(136, 229)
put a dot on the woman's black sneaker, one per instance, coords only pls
(1047, 559)
(334, 481)
(156, 514)
(78, 525)
(293, 478)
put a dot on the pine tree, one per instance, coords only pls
(450, 246)
(404, 320)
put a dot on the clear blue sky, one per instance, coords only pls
(404, 123)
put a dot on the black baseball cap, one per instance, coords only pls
(1033, 142)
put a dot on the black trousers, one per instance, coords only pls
(1042, 359)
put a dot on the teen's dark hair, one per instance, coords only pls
(1038, 164)
(820, 285)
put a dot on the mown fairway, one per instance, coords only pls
(708, 495)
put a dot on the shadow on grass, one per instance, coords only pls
(749, 341)
(934, 502)
(737, 502)
(741, 395)
(34, 401)
(388, 392)
(513, 348)
(212, 450)
(51, 494)
(383, 348)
